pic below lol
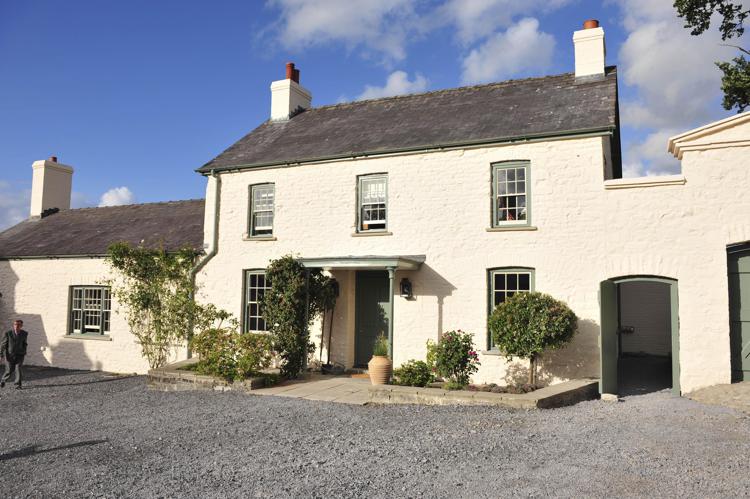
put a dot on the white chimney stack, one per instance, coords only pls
(50, 186)
(288, 97)
(589, 49)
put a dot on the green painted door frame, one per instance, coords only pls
(738, 267)
(609, 341)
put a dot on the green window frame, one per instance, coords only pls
(372, 202)
(89, 310)
(511, 194)
(254, 287)
(262, 206)
(504, 282)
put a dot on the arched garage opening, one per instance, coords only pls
(639, 335)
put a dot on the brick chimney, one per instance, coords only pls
(50, 186)
(288, 97)
(589, 49)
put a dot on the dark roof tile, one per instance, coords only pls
(498, 111)
(90, 231)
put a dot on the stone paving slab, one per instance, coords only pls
(339, 389)
(735, 396)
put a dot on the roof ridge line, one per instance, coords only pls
(133, 204)
(446, 90)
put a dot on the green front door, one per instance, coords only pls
(608, 339)
(371, 313)
(739, 313)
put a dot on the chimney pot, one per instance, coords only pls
(53, 159)
(295, 76)
(289, 70)
(590, 24)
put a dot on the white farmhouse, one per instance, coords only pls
(429, 210)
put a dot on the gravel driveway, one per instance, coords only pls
(88, 435)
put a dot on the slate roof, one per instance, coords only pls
(551, 105)
(89, 231)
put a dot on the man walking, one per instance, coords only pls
(13, 349)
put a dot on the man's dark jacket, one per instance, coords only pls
(13, 345)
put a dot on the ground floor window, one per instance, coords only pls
(504, 283)
(256, 285)
(90, 309)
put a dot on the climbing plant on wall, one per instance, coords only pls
(295, 297)
(156, 290)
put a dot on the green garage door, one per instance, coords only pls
(739, 313)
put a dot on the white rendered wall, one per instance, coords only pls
(36, 291)
(439, 205)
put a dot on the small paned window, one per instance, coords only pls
(373, 201)
(261, 210)
(504, 283)
(256, 285)
(90, 309)
(510, 194)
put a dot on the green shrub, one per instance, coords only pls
(455, 357)
(286, 313)
(380, 347)
(453, 385)
(431, 356)
(215, 349)
(231, 355)
(413, 373)
(527, 324)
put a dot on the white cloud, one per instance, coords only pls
(477, 19)
(117, 196)
(14, 205)
(521, 49)
(381, 26)
(673, 72)
(398, 83)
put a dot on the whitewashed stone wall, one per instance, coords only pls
(36, 291)
(439, 206)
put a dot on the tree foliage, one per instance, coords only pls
(289, 306)
(527, 324)
(156, 289)
(735, 81)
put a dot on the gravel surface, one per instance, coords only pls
(78, 435)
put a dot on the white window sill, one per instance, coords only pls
(511, 228)
(93, 337)
(636, 182)
(496, 353)
(372, 233)
(247, 237)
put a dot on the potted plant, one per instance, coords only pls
(380, 366)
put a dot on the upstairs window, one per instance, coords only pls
(256, 286)
(510, 194)
(261, 210)
(90, 310)
(373, 203)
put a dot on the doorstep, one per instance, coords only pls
(559, 395)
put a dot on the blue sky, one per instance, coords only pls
(135, 95)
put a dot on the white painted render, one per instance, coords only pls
(37, 291)
(50, 186)
(590, 52)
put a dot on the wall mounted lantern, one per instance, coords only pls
(406, 291)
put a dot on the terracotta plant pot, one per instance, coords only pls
(380, 368)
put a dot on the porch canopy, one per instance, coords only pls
(368, 262)
(371, 262)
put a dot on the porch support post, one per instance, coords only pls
(391, 280)
(307, 309)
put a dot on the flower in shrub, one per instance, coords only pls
(455, 358)
(413, 373)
